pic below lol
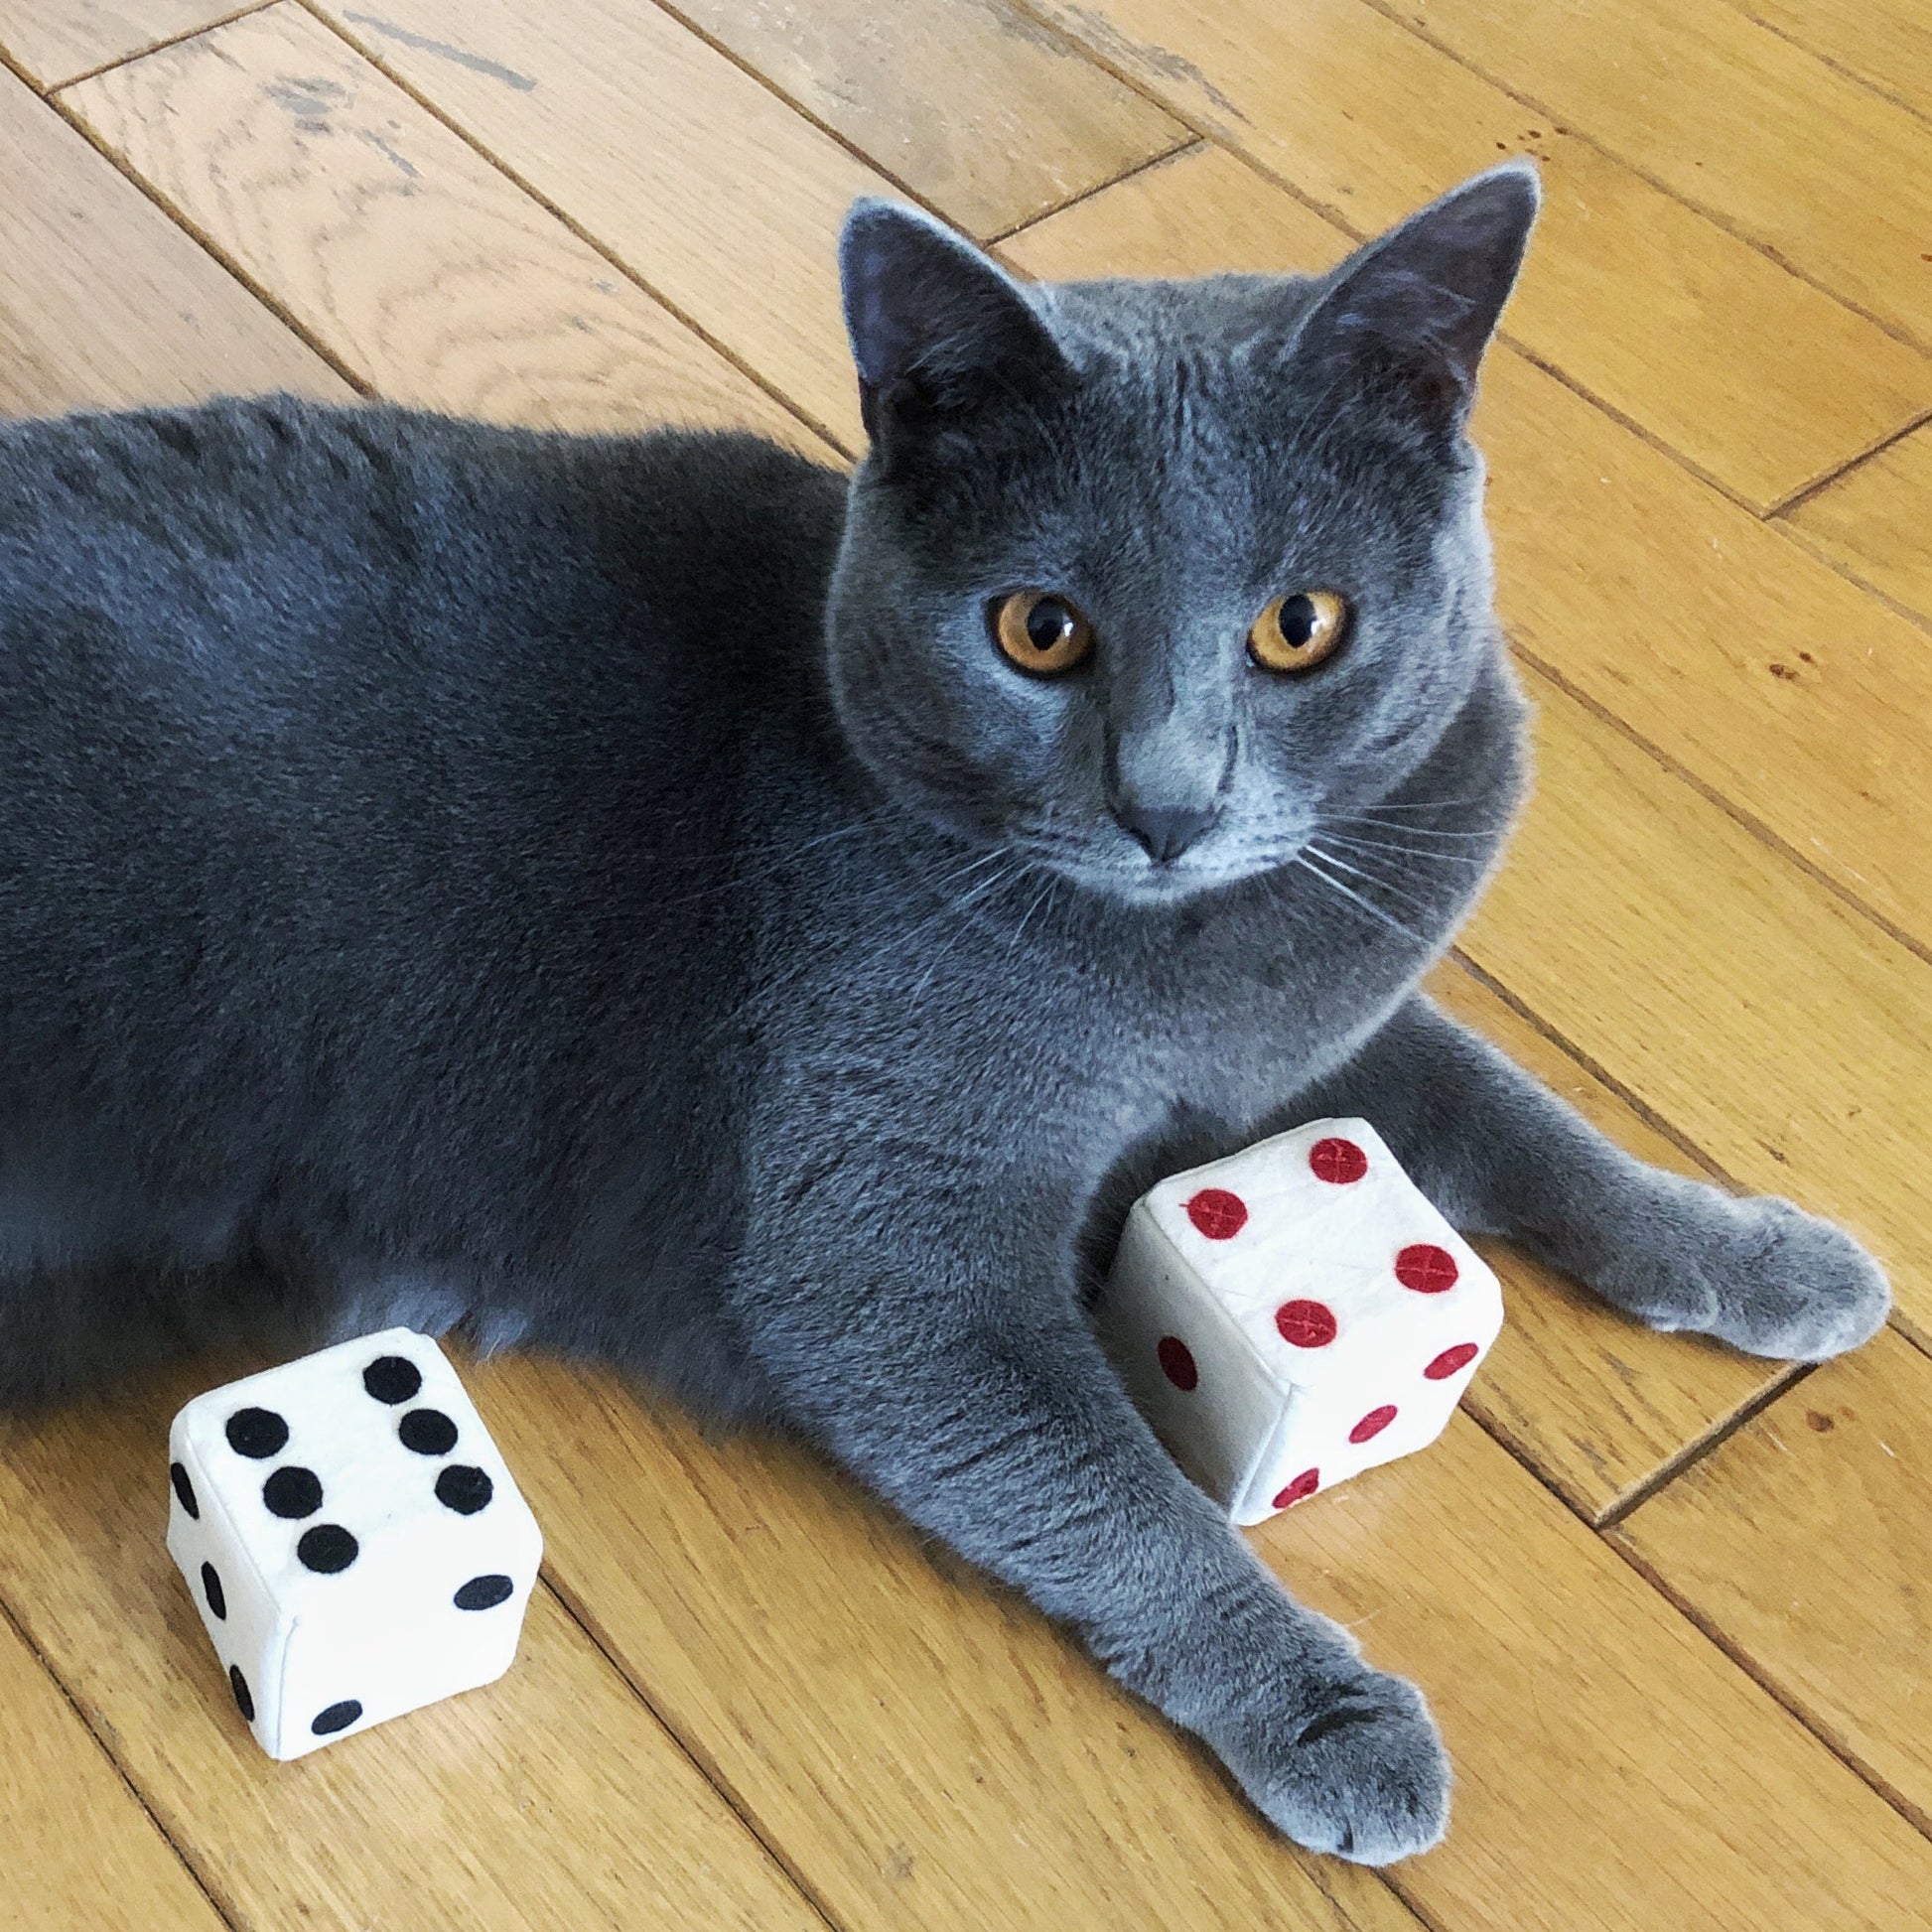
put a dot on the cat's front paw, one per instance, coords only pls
(1360, 1774)
(1760, 1274)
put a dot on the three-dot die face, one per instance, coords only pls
(1293, 1314)
(352, 1540)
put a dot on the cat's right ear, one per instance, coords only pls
(937, 328)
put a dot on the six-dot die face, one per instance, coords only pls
(1292, 1315)
(353, 1542)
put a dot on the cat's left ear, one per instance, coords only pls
(937, 328)
(1424, 299)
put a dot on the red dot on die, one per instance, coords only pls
(1427, 1269)
(1218, 1214)
(1306, 1485)
(1373, 1423)
(1338, 1161)
(1308, 1325)
(1450, 1360)
(1177, 1362)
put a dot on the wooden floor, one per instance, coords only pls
(1673, 1606)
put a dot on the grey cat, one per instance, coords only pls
(648, 897)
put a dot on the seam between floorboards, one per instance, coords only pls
(1189, 143)
(209, 247)
(1913, 1815)
(1838, 67)
(157, 46)
(605, 250)
(1741, 815)
(700, 1760)
(120, 1771)
(1797, 498)
(1564, 126)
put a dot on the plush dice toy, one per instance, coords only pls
(1294, 1314)
(351, 1538)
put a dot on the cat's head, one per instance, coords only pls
(1145, 579)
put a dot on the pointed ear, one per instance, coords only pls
(937, 328)
(1422, 302)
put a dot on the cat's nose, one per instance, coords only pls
(1165, 831)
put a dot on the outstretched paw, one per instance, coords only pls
(1361, 1775)
(1760, 1274)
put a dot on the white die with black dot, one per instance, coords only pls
(1293, 1314)
(351, 1538)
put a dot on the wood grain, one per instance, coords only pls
(968, 102)
(1613, 1769)
(79, 1850)
(1887, 43)
(929, 1753)
(1805, 161)
(722, 197)
(104, 302)
(552, 1797)
(1725, 643)
(1805, 1545)
(55, 41)
(1877, 520)
(1673, 323)
(1597, 1405)
(395, 244)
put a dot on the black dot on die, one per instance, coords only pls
(292, 1492)
(339, 1716)
(483, 1592)
(328, 1548)
(183, 1490)
(257, 1433)
(239, 1686)
(428, 1432)
(392, 1378)
(464, 1489)
(217, 1600)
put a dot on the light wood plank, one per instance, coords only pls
(721, 196)
(1673, 323)
(1693, 92)
(104, 302)
(54, 41)
(1613, 1769)
(969, 103)
(1786, 1035)
(80, 1850)
(1805, 1544)
(1597, 1404)
(394, 243)
(550, 1798)
(927, 1751)
(1887, 43)
(1877, 520)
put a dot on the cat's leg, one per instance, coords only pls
(1499, 1153)
(965, 1386)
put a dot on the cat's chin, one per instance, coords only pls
(1152, 887)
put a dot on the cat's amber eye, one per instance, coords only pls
(1295, 633)
(1040, 632)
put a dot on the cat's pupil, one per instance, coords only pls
(1298, 619)
(1048, 623)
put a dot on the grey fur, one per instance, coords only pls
(609, 891)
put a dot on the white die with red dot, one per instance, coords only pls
(1293, 1314)
(351, 1538)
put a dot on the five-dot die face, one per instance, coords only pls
(1292, 1315)
(350, 1534)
